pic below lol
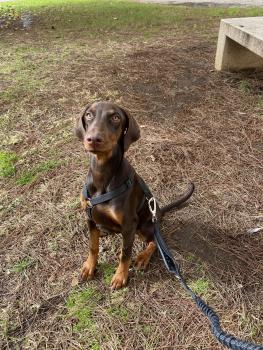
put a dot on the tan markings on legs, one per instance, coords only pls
(144, 257)
(83, 202)
(88, 269)
(120, 277)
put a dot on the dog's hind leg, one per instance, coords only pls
(143, 258)
(146, 233)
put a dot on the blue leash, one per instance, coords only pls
(224, 338)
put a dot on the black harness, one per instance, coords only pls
(106, 197)
(224, 338)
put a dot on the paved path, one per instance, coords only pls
(209, 3)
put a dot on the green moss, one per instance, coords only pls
(95, 346)
(119, 312)
(245, 86)
(30, 176)
(7, 167)
(108, 272)
(26, 178)
(190, 258)
(81, 305)
(200, 286)
(146, 329)
(22, 265)
(3, 325)
(47, 165)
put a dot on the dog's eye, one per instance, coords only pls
(115, 118)
(88, 116)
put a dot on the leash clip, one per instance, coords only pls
(89, 204)
(152, 207)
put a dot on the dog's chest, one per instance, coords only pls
(107, 218)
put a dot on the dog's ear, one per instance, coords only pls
(132, 131)
(80, 125)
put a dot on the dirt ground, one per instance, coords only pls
(197, 125)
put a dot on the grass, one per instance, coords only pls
(8, 14)
(245, 86)
(7, 164)
(30, 176)
(80, 306)
(21, 266)
(20, 88)
(146, 329)
(27, 178)
(190, 258)
(113, 16)
(249, 326)
(119, 311)
(95, 346)
(108, 272)
(200, 286)
(94, 18)
(23, 72)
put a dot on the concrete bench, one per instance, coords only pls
(240, 44)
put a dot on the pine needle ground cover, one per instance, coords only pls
(197, 125)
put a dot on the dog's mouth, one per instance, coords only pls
(93, 150)
(97, 148)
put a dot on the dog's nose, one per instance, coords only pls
(94, 139)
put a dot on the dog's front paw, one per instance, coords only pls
(87, 271)
(119, 280)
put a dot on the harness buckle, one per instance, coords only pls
(152, 207)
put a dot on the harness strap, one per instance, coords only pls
(146, 191)
(105, 197)
(145, 188)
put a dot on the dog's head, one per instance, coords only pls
(104, 125)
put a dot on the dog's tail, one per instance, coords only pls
(180, 200)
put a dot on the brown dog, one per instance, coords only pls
(107, 131)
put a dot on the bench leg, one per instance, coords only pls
(231, 56)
